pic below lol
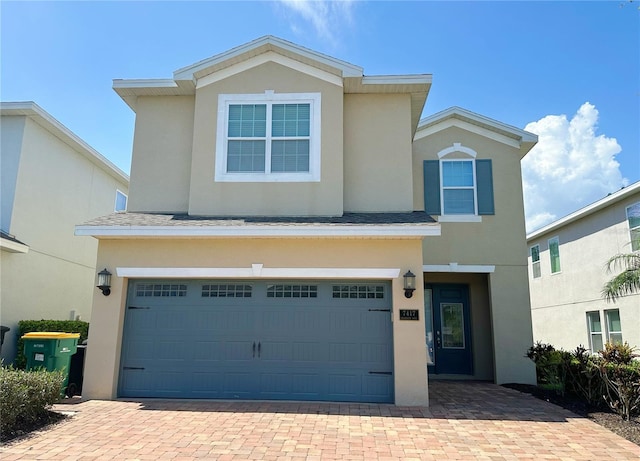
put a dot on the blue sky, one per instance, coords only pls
(568, 71)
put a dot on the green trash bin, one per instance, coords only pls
(50, 350)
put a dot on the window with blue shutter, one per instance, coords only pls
(458, 187)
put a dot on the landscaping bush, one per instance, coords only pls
(611, 378)
(621, 376)
(64, 326)
(26, 396)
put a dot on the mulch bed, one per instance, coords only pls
(630, 430)
(50, 417)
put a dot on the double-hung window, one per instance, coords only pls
(633, 217)
(535, 261)
(268, 137)
(595, 331)
(554, 254)
(614, 327)
(458, 187)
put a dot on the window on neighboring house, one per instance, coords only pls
(459, 188)
(121, 201)
(535, 261)
(554, 254)
(614, 328)
(633, 217)
(268, 137)
(595, 331)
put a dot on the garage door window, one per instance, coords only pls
(292, 291)
(226, 291)
(160, 290)
(358, 291)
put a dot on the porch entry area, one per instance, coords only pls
(448, 329)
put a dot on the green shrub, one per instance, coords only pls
(26, 396)
(64, 326)
(583, 377)
(621, 376)
(550, 366)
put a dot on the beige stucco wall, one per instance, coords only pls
(559, 302)
(498, 240)
(56, 188)
(161, 162)
(102, 365)
(377, 153)
(323, 198)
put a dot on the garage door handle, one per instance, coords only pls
(259, 347)
(254, 349)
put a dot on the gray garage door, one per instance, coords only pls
(303, 340)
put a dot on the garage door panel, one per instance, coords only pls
(200, 342)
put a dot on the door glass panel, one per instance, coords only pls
(428, 325)
(452, 320)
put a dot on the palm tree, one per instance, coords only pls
(626, 282)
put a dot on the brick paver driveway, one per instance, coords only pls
(465, 421)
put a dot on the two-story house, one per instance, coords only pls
(296, 232)
(568, 271)
(51, 180)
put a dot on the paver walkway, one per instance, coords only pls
(470, 421)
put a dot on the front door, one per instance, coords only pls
(448, 329)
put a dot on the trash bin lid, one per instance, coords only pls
(50, 335)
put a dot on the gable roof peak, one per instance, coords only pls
(261, 45)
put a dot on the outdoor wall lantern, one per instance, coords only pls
(409, 284)
(104, 281)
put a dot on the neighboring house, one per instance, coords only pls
(51, 180)
(277, 202)
(567, 272)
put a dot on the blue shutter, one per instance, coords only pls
(432, 187)
(484, 177)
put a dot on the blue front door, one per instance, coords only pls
(448, 329)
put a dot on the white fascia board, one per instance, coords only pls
(262, 273)
(460, 268)
(258, 231)
(51, 124)
(144, 83)
(585, 211)
(489, 123)
(270, 56)
(411, 79)
(348, 70)
(13, 247)
(454, 122)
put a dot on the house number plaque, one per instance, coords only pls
(409, 314)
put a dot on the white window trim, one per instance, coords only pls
(631, 229)
(607, 327)
(115, 203)
(550, 260)
(268, 97)
(533, 263)
(459, 217)
(591, 333)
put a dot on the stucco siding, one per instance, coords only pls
(377, 153)
(57, 187)
(11, 134)
(103, 358)
(559, 301)
(323, 198)
(161, 162)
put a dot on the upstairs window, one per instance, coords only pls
(121, 201)
(554, 254)
(458, 189)
(535, 261)
(268, 137)
(633, 217)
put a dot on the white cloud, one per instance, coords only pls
(569, 168)
(326, 16)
